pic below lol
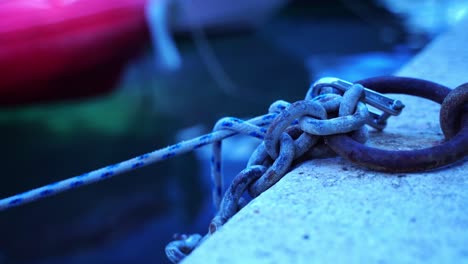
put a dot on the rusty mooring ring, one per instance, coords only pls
(451, 150)
(453, 107)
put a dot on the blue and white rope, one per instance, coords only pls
(227, 128)
(237, 125)
(251, 128)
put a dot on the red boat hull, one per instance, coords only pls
(51, 50)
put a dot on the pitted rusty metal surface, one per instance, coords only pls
(447, 152)
(454, 107)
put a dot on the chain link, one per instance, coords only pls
(329, 121)
(295, 131)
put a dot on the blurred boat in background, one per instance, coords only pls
(52, 50)
(69, 49)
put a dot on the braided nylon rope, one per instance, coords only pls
(229, 123)
(295, 130)
(227, 127)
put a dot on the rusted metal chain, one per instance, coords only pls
(230, 203)
(287, 117)
(284, 142)
(182, 246)
(278, 169)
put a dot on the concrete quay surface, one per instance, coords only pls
(331, 211)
